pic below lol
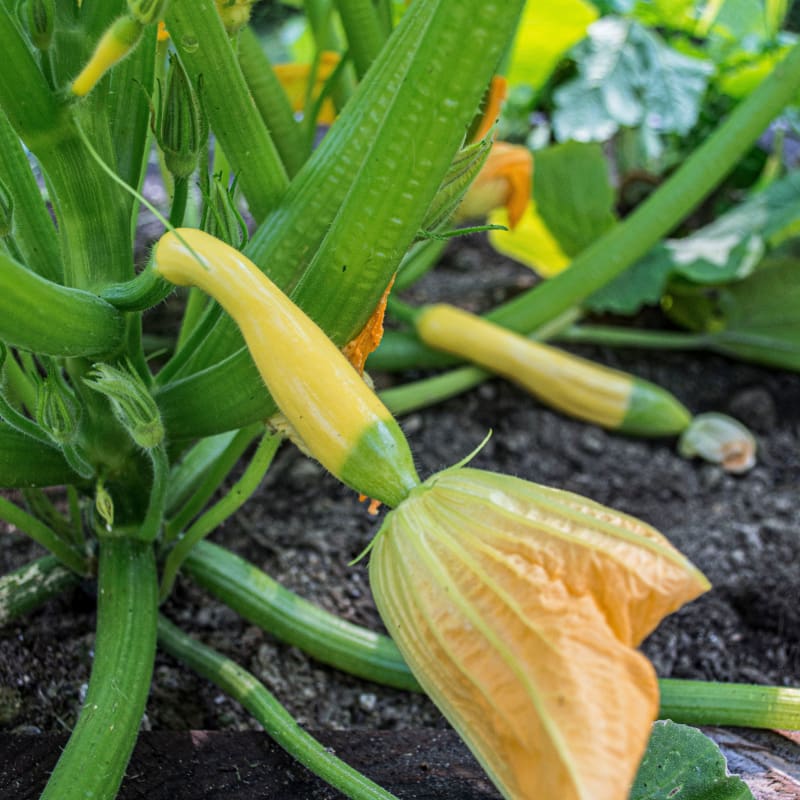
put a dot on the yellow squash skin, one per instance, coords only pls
(113, 46)
(518, 608)
(571, 384)
(341, 421)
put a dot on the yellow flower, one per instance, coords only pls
(518, 608)
(504, 181)
(295, 78)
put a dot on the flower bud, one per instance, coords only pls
(518, 607)
(41, 22)
(221, 217)
(57, 409)
(131, 402)
(721, 440)
(235, 14)
(181, 130)
(146, 11)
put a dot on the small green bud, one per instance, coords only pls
(181, 129)
(221, 217)
(146, 11)
(57, 409)
(41, 22)
(104, 504)
(235, 14)
(6, 210)
(131, 403)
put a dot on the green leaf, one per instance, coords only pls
(757, 319)
(628, 77)
(573, 194)
(681, 763)
(643, 284)
(728, 249)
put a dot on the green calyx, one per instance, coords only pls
(380, 464)
(41, 16)
(131, 402)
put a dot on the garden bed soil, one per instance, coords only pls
(303, 528)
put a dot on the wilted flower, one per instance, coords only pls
(721, 440)
(518, 608)
(504, 181)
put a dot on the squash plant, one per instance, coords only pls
(497, 564)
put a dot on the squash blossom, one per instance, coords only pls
(518, 608)
(504, 181)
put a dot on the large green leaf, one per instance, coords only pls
(726, 250)
(573, 194)
(681, 763)
(628, 77)
(757, 319)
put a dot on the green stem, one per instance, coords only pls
(364, 32)
(43, 508)
(19, 422)
(92, 210)
(212, 480)
(144, 291)
(32, 108)
(264, 602)
(429, 391)
(239, 493)
(34, 233)
(195, 305)
(358, 651)
(278, 723)
(334, 243)
(326, 37)
(151, 525)
(97, 753)
(43, 535)
(183, 356)
(18, 385)
(180, 194)
(75, 518)
(205, 50)
(77, 323)
(736, 704)
(271, 101)
(419, 261)
(634, 337)
(31, 586)
(624, 244)
(194, 466)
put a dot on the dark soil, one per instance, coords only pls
(303, 528)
